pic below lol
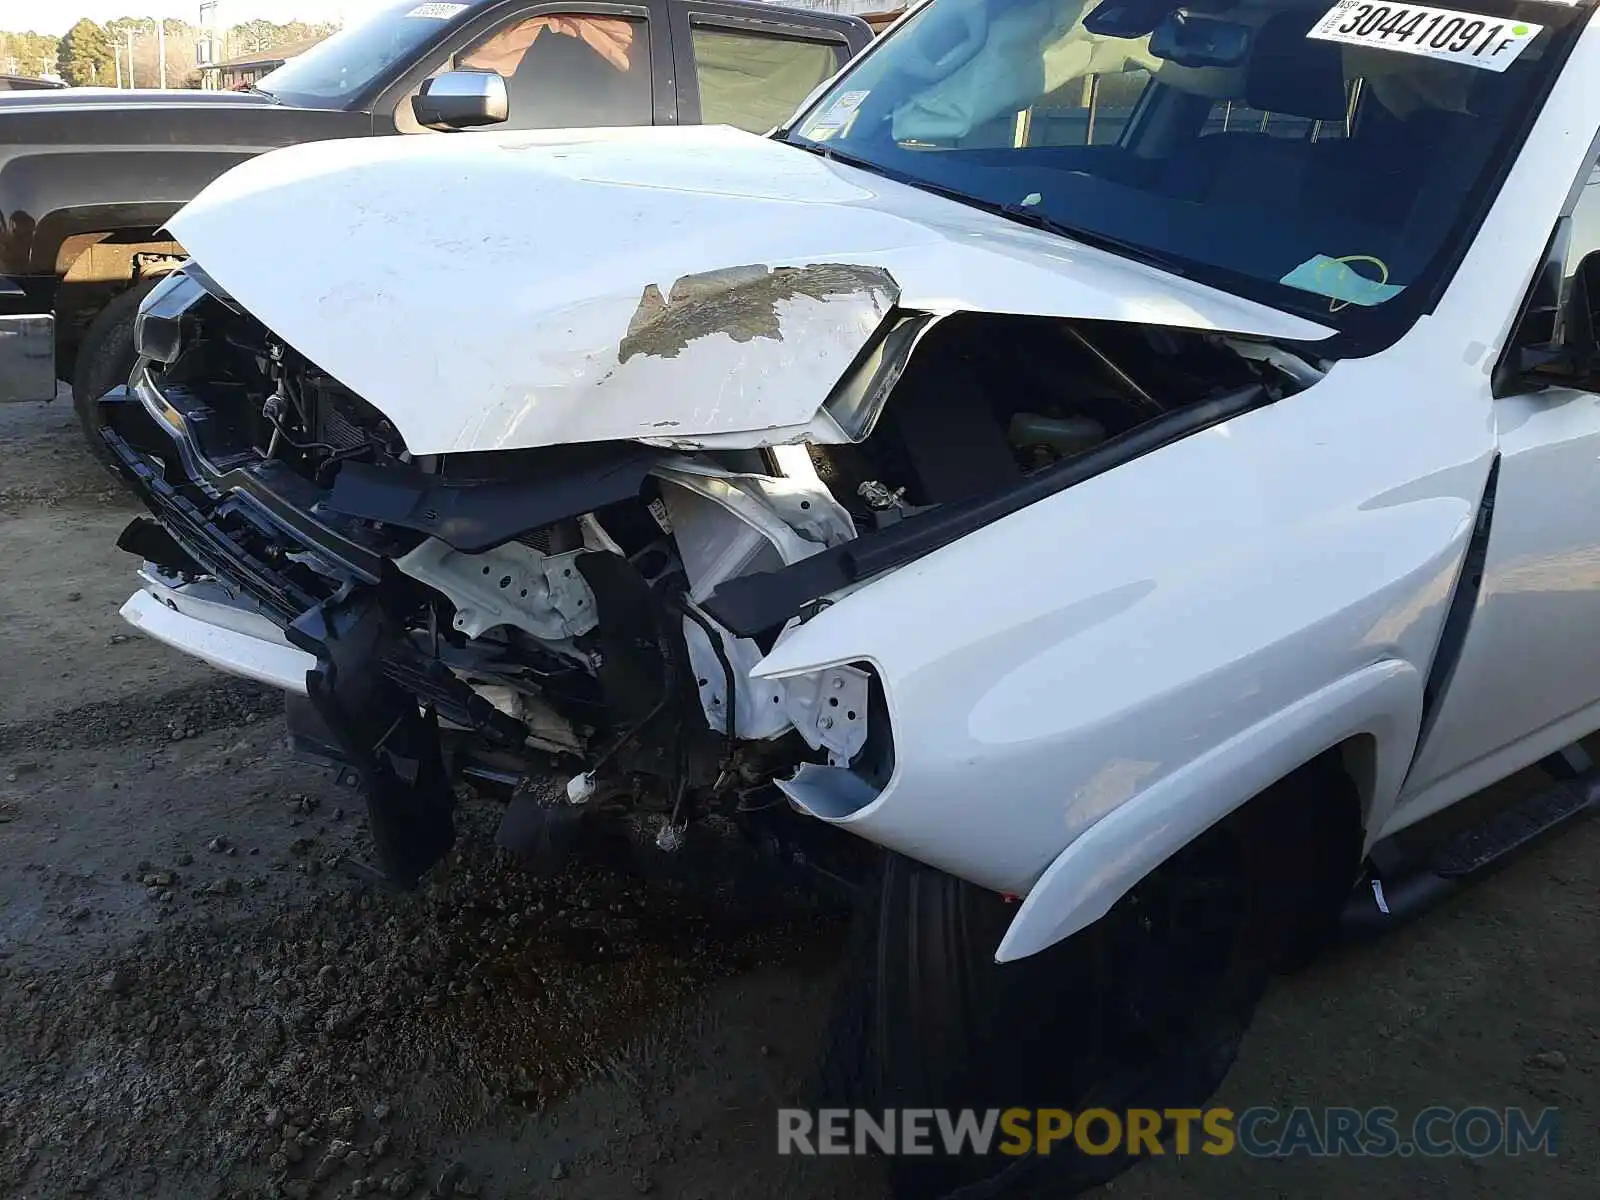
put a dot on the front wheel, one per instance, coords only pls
(1143, 1010)
(106, 358)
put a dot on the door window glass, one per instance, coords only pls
(570, 70)
(755, 81)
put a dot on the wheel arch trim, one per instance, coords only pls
(1381, 702)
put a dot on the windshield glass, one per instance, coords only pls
(337, 70)
(1323, 158)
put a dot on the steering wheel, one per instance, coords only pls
(918, 64)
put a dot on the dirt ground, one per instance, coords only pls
(198, 999)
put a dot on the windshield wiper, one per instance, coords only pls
(876, 168)
(255, 91)
(1020, 213)
(822, 150)
(1028, 215)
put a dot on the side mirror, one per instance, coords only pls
(462, 100)
(1555, 342)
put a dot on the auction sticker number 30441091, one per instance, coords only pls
(1438, 33)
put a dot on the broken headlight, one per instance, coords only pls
(158, 329)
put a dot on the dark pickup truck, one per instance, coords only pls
(89, 178)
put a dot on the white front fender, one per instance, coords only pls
(1111, 856)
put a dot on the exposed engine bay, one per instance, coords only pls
(562, 611)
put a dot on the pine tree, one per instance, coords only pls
(255, 37)
(84, 58)
(30, 54)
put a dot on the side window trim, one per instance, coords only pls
(706, 14)
(655, 14)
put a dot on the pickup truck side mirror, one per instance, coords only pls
(1556, 343)
(460, 100)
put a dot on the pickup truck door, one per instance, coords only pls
(750, 69)
(1519, 674)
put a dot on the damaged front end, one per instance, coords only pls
(582, 624)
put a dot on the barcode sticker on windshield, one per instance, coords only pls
(438, 12)
(1439, 33)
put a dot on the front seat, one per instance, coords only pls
(1287, 75)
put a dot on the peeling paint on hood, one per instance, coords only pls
(502, 291)
(742, 302)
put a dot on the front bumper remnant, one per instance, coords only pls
(341, 652)
(203, 620)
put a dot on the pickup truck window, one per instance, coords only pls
(570, 70)
(1324, 158)
(334, 72)
(755, 81)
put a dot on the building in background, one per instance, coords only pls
(231, 58)
(880, 14)
(240, 72)
(849, 8)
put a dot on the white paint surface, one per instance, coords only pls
(252, 656)
(477, 288)
(1155, 645)
(1079, 688)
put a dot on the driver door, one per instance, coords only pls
(1526, 675)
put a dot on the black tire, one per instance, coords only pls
(106, 358)
(1144, 1009)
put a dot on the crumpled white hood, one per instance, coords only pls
(502, 291)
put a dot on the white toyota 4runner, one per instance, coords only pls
(1122, 463)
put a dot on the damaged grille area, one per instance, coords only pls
(223, 542)
(601, 606)
(266, 401)
(343, 420)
